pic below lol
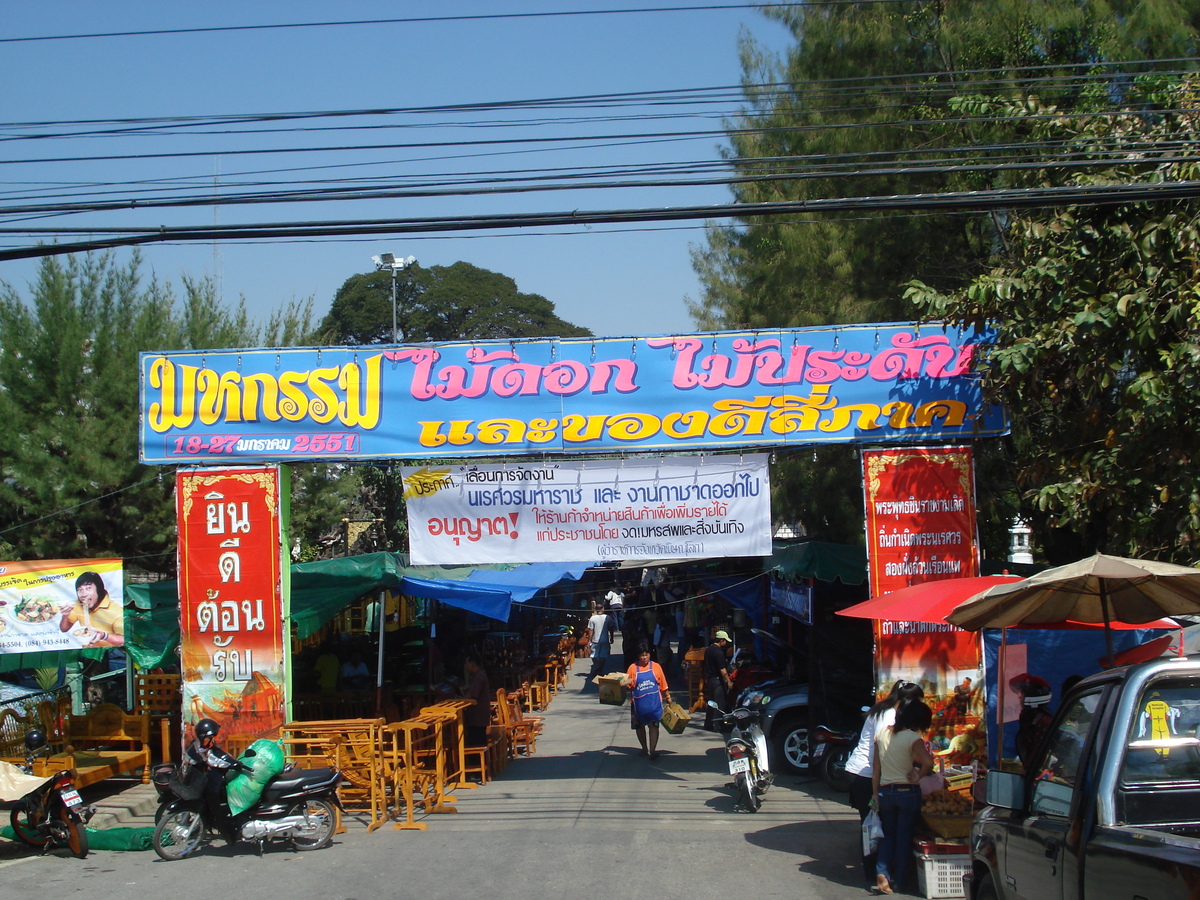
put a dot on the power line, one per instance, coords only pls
(1022, 198)
(415, 20)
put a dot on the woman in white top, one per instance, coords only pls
(858, 764)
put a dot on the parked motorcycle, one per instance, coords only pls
(746, 750)
(53, 815)
(831, 750)
(300, 806)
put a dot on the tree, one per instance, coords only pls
(1098, 356)
(70, 481)
(870, 101)
(441, 303)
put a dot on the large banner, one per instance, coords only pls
(948, 664)
(230, 606)
(920, 516)
(678, 507)
(61, 604)
(879, 383)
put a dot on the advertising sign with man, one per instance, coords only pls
(61, 604)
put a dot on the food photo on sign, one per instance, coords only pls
(61, 604)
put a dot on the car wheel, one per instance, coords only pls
(986, 889)
(791, 746)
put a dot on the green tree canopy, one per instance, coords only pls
(1098, 357)
(439, 303)
(887, 99)
(70, 481)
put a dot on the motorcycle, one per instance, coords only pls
(831, 750)
(300, 806)
(746, 750)
(53, 815)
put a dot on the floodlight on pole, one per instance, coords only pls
(389, 261)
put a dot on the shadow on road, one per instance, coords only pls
(831, 848)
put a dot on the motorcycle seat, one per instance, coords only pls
(298, 779)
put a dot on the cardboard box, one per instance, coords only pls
(612, 691)
(675, 718)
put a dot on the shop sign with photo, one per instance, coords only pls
(567, 511)
(61, 604)
(230, 606)
(895, 383)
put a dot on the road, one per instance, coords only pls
(586, 815)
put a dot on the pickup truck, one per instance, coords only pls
(1109, 805)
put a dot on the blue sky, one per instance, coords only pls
(615, 280)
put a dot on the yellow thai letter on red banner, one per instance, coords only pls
(230, 605)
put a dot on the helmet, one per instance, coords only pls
(35, 739)
(1034, 691)
(207, 728)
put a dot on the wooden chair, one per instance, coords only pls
(402, 740)
(355, 748)
(693, 665)
(162, 697)
(433, 761)
(518, 734)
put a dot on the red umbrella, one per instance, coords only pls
(932, 601)
(929, 601)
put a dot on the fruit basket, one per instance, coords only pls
(949, 813)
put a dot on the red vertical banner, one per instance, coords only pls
(230, 603)
(920, 516)
(920, 505)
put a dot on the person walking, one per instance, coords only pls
(648, 694)
(901, 760)
(717, 680)
(601, 626)
(858, 764)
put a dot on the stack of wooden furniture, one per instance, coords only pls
(161, 697)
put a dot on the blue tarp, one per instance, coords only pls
(1053, 654)
(490, 593)
(741, 592)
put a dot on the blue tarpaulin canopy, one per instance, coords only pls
(491, 593)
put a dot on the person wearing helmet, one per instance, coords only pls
(1035, 713)
(35, 740)
(204, 754)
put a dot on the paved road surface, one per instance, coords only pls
(586, 816)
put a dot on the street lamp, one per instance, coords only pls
(389, 261)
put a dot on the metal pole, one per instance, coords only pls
(395, 332)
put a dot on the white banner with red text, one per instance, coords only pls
(678, 507)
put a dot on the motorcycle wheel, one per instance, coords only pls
(322, 821)
(25, 827)
(70, 831)
(178, 834)
(749, 795)
(833, 769)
